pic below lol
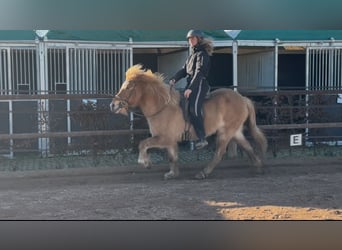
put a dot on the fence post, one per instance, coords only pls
(43, 104)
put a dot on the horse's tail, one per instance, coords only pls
(255, 131)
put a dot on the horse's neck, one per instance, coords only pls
(152, 105)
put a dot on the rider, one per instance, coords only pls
(196, 69)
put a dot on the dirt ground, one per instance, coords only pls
(291, 189)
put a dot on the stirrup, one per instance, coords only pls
(201, 144)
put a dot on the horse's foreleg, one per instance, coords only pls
(159, 142)
(144, 145)
(173, 156)
(221, 146)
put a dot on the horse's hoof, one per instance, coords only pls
(260, 171)
(170, 175)
(145, 163)
(201, 176)
(257, 171)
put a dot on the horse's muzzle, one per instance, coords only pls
(118, 107)
(115, 108)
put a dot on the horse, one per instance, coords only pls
(225, 114)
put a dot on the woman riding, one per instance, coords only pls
(196, 69)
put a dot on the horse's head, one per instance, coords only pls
(141, 89)
(126, 98)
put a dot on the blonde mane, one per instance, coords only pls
(152, 82)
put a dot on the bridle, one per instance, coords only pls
(124, 104)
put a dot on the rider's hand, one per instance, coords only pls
(172, 82)
(187, 93)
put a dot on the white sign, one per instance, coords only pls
(296, 140)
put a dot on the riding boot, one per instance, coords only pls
(201, 143)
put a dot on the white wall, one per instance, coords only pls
(169, 64)
(256, 71)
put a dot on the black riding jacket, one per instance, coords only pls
(196, 67)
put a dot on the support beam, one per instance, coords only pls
(235, 65)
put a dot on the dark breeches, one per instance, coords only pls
(196, 100)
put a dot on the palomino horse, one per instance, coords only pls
(225, 113)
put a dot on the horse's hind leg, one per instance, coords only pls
(221, 145)
(242, 141)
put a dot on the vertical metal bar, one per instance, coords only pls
(90, 69)
(110, 71)
(339, 68)
(64, 80)
(112, 86)
(100, 67)
(321, 66)
(307, 68)
(276, 67)
(116, 72)
(1, 73)
(332, 68)
(9, 70)
(34, 72)
(129, 55)
(10, 119)
(235, 64)
(307, 83)
(53, 57)
(319, 62)
(67, 69)
(73, 83)
(313, 73)
(326, 69)
(81, 78)
(107, 82)
(82, 73)
(322, 69)
(20, 66)
(43, 107)
(93, 69)
(69, 74)
(67, 82)
(79, 87)
(30, 69)
(23, 69)
(85, 68)
(59, 66)
(15, 70)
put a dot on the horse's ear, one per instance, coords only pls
(149, 73)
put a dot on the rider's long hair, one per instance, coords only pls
(207, 44)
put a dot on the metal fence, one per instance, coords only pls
(324, 68)
(32, 73)
(83, 124)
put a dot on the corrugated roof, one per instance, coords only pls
(111, 35)
(289, 35)
(17, 35)
(125, 35)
